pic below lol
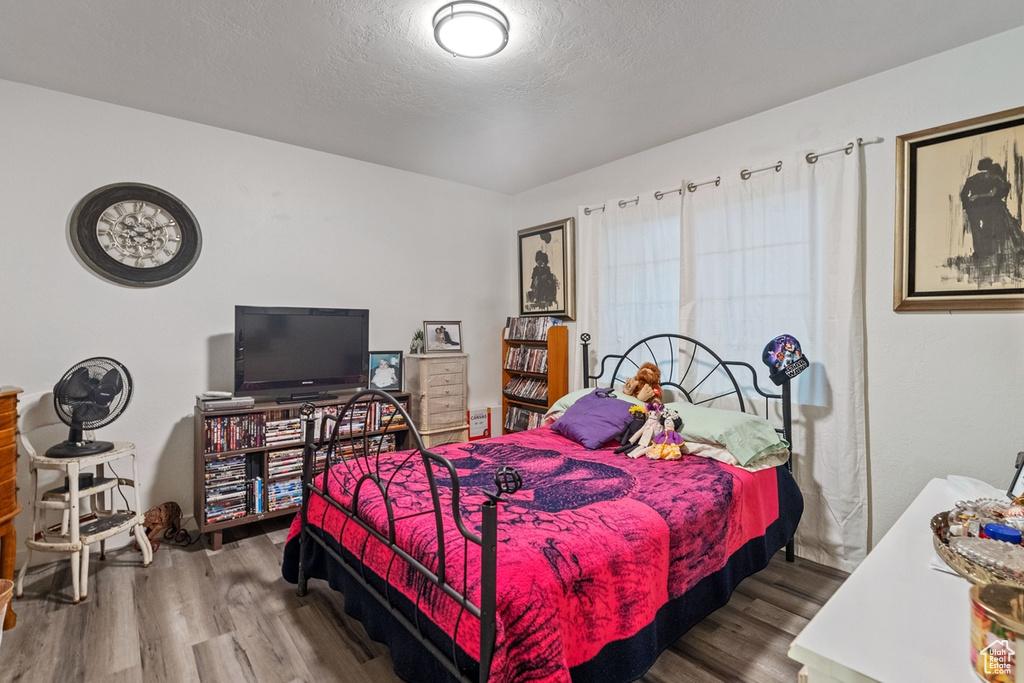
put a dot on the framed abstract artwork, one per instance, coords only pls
(959, 189)
(547, 270)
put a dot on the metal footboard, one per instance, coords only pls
(350, 450)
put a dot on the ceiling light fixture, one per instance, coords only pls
(470, 29)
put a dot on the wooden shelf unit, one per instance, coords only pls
(556, 377)
(257, 457)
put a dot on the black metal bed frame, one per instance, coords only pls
(350, 445)
(679, 348)
(362, 460)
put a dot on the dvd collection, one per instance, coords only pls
(234, 433)
(226, 489)
(234, 483)
(529, 329)
(527, 389)
(527, 359)
(518, 419)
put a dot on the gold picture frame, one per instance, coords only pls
(547, 270)
(959, 191)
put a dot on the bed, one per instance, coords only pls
(528, 557)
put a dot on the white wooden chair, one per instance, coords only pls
(78, 528)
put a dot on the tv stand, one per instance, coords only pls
(260, 448)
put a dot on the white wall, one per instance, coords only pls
(945, 391)
(281, 226)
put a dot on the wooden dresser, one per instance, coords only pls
(9, 507)
(438, 384)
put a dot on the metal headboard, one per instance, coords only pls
(687, 375)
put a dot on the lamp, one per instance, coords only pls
(466, 28)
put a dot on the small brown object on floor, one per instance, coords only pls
(165, 518)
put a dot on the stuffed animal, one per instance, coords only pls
(646, 385)
(641, 441)
(667, 444)
(166, 518)
(639, 414)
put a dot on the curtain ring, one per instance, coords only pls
(718, 181)
(625, 202)
(587, 210)
(745, 174)
(778, 166)
(849, 147)
(691, 187)
(812, 157)
(659, 195)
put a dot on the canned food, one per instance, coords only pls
(997, 632)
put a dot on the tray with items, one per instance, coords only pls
(981, 540)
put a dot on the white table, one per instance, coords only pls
(895, 618)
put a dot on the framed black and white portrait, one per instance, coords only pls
(443, 335)
(386, 370)
(547, 270)
(959, 243)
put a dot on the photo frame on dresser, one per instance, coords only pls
(442, 335)
(547, 270)
(386, 370)
(959, 243)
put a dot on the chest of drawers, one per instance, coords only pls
(437, 383)
(9, 507)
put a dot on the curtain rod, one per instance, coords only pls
(810, 157)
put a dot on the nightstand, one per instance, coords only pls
(438, 384)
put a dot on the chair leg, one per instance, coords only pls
(84, 582)
(144, 545)
(76, 564)
(19, 587)
(103, 550)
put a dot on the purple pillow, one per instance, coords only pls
(595, 419)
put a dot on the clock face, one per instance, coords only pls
(138, 234)
(135, 234)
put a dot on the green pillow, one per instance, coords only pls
(748, 437)
(562, 404)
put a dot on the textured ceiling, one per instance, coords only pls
(582, 82)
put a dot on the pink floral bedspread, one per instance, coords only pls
(590, 548)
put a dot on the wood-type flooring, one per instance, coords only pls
(228, 616)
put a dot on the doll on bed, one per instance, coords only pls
(667, 444)
(641, 440)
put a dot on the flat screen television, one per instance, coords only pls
(297, 354)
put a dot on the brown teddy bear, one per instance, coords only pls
(646, 385)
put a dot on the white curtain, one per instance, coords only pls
(782, 253)
(627, 272)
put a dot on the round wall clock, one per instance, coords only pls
(136, 235)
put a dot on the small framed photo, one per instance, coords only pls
(440, 336)
(547, 270)
(386, 370)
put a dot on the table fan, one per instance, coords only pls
(92, 394)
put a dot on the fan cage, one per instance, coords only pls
(97, 368)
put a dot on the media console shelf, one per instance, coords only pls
(248, 462)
